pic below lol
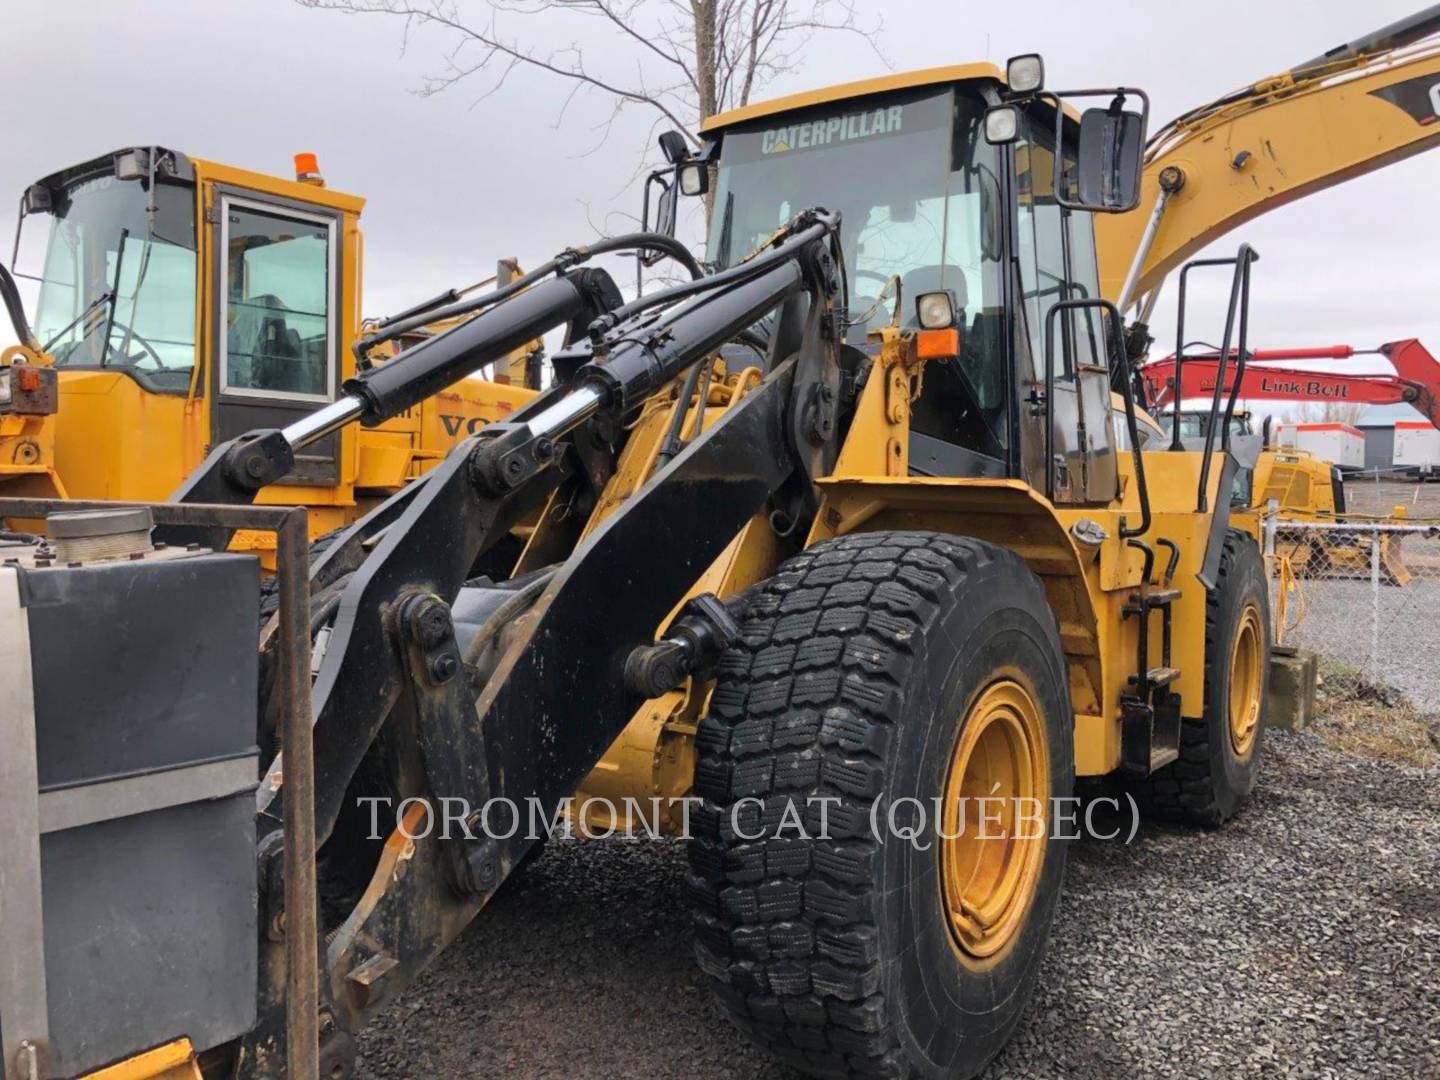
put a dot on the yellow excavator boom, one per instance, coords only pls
(1356, 109)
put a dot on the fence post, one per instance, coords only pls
(1375, 606)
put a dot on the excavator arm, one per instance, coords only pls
(1352, 111)
(1416, 380)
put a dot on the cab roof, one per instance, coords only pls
(905, 80)
(175, 167)
(284, 187)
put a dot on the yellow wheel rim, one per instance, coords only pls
(1246, 659)
(994, 820)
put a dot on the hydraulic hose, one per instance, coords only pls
(10, 294)
(739, 272)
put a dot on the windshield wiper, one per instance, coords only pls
(114, 298)
(90, 309)
(108, 299)
(727, 223)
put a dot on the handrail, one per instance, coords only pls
(1112, 354)
(1238, 310)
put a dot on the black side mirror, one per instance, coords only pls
(1105, 177)
(1111, 148)
(674, 147)
(665, 210)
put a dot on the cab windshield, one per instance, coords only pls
(916, 186)
(1193, 425)
(911, 176)
(118, 287)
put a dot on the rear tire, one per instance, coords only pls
(1220, 752)
(270, 584)
(867, 669)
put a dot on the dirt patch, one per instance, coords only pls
(1371, 720)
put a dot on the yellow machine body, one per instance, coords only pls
(871, 489)
(118, 436)
(1297, 481)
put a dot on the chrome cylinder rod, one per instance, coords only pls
(567, 414)
(1147, 241)
(323, 421)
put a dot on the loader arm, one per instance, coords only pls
(1272, 143)
(533, 726)
(508, 318)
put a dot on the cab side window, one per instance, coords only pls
(1048, 272)
(279, 301)
(1085, 285)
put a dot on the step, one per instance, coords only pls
(1160, 756)
(1150, 600)
(1157, 677)
(1149, 734)
(1160, 597)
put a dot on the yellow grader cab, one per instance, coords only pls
(845, 569)
(183, 302)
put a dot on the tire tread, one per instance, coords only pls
(804, 705)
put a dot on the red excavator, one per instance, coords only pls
(1416, 380)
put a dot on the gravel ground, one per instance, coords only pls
(1303, 940)
(1367, 495)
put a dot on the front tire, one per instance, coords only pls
(877, 670)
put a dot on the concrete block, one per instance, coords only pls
(1294, 675)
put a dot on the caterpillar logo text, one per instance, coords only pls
(837, 129)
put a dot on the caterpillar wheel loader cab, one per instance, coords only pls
(835, 541)
(183, 302)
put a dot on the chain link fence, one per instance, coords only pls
(1365, 594)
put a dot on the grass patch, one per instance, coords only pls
(1373, 720)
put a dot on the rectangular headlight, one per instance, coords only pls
(38, 199)
(131, 164)
(1025, 73)
(935, 310)
(1002, 124)
(694, 179)
(4, 386)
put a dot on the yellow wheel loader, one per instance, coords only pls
(842, 570)
(183, 302)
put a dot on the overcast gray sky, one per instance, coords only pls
(453, 184)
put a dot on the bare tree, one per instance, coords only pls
(682, 60)
(1331, 412)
